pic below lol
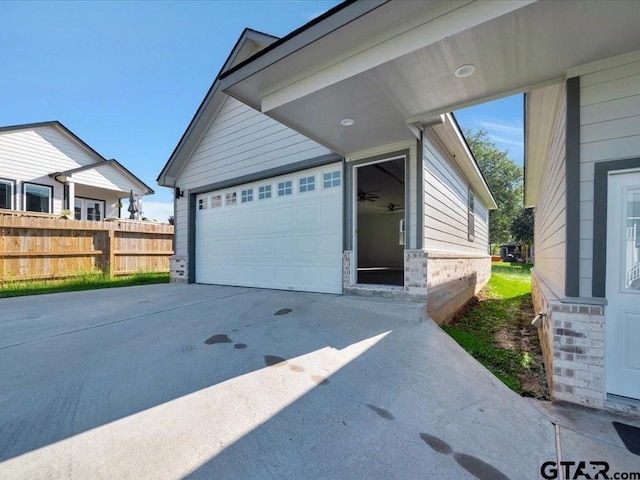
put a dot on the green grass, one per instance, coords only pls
(488, 327)
(89, 281)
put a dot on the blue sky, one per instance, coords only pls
(127, 77)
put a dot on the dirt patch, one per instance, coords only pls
(508, 324)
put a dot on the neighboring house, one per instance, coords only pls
(258, 204)
(45, 168)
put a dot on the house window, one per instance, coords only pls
(216, 201)
(247, 195)
(264, 192)
(331, 179)
(285, 188)
(231, 198)
(202, 204)
(307, 184)
(6, 194)
(471, 218)
(88, 209)
(37, 198)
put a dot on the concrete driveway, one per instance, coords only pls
(195, 381)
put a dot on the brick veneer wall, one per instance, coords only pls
(178, 268)
(572, 338)
(452, 280)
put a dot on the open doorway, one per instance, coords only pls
(380, 222)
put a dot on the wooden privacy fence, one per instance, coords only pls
(42, 246)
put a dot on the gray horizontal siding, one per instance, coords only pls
(240, 141)
(445, 206)
(609, 130)
(550, 219)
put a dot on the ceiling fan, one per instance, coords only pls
(393, 207)
(367, 196)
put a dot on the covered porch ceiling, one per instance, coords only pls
(390, 66)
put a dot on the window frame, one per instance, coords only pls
(24, 196)
(266, 192)
(471, 216)
(246, 195)
(285, 188)
(309, 184)
(231, 198)
(216, 201)
(334, 176)
(12, 196)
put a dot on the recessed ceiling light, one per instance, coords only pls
(347, 122)
(465, 70)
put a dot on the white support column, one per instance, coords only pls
(72, 197)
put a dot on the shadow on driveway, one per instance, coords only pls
(173, 381)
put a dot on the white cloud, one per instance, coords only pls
(507, 141)
(510, 129)
(504, 134)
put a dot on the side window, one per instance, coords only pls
(285, 188)
(471, 229)
(216, 201)
(307, 184)
(331, 179)
(246, 195)
(37, 198)
(231, 198)
(264, 192)
(6, 194)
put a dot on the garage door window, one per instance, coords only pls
(247, 195)
(231, 198)
(202, 203)
(285, 188)
(307, 184)
(264, 192)
(331, 179)
(216, 201)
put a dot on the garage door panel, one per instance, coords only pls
(292, 242)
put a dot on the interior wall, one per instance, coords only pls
(378, 240)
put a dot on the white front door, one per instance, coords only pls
(623, 285)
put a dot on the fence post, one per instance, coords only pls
(112, 253)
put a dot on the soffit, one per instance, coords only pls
(526, 48)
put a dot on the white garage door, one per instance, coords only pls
(283, 233)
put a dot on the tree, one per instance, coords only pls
(522, 227)
(504, 179)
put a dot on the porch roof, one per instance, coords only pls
(391, 66)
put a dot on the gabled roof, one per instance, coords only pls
(100, 160)
(57, 124)
(249, 43)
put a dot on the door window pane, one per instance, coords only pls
(631, 255)
(77, 209)
(37, 198)
(94, 210)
